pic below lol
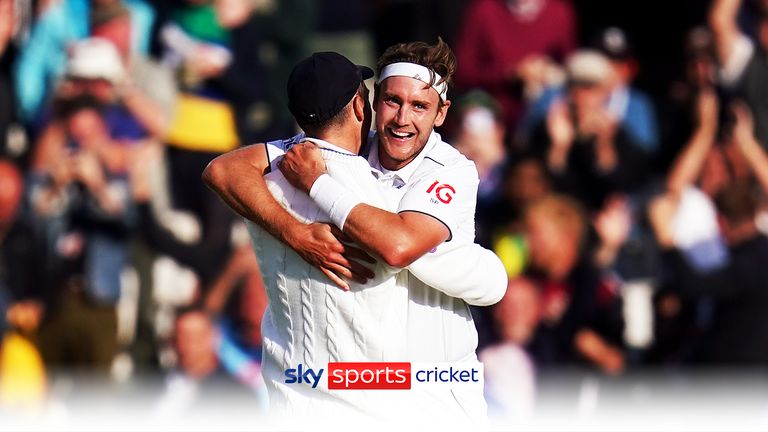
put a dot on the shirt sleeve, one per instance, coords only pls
(449, 195)
(469, 272)
(276, 149)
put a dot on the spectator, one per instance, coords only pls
(628, 105)
(263, 50)
(43, 58)
(509, 48)
(22, 285)
(23, 298)
(744, 67)
(146, 89)
(203, 381)
(587, 151)
(480, 136)
(679, 110)
(524, 180)
(737, 331)
(84, 208)
(509, 369)
(578, 308)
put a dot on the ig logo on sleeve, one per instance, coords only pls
(444, 192)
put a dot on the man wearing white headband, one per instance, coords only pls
(435, 189)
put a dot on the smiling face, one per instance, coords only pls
(406, 112)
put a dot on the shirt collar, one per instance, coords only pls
(405, 173)
(328, 146)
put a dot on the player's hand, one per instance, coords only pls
(302, 165)
(317, 244)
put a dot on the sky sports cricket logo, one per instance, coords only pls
(385, 375)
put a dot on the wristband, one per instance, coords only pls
(333, 198)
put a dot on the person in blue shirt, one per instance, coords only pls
(43, 57)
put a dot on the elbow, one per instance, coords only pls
(495, 281)
(214, 174)
(495, 290)
(400, 253)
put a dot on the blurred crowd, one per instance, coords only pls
(621, 152)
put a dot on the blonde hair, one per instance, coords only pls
(563, 212)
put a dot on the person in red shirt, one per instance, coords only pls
(507, 47)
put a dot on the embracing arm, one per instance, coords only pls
(416, 236)
(237, 177)
(469, 272)
(417, 241)
(398, 238)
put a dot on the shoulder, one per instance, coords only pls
(445, 156)
(446, 165)
(285, 144)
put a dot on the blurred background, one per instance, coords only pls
(621, 150)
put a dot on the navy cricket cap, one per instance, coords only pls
(322, 84)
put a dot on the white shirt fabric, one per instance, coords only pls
(395, 316)
(741, 53)
(439, 323)
(309, 320)
(446, 329)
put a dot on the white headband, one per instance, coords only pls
(415, 71)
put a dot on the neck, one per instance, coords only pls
(346, 138)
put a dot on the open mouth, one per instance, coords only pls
(399, 134)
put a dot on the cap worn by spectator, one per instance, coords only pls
(95, 58)
(322, 84)
(588, 67)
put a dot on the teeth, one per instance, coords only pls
(400, 134)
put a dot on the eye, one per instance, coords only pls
(392, 100)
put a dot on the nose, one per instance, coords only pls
(401, 116)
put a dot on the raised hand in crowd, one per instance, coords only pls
(561, 132)
(745, 141)
(689, 164)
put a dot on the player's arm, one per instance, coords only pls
(237, 177)
(469, 272)
(398, 238)
(414, 236)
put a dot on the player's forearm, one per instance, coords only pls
(469, 272)
(388, 235)
(237, 177)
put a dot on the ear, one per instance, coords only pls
(358, 107)
(441, 113)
